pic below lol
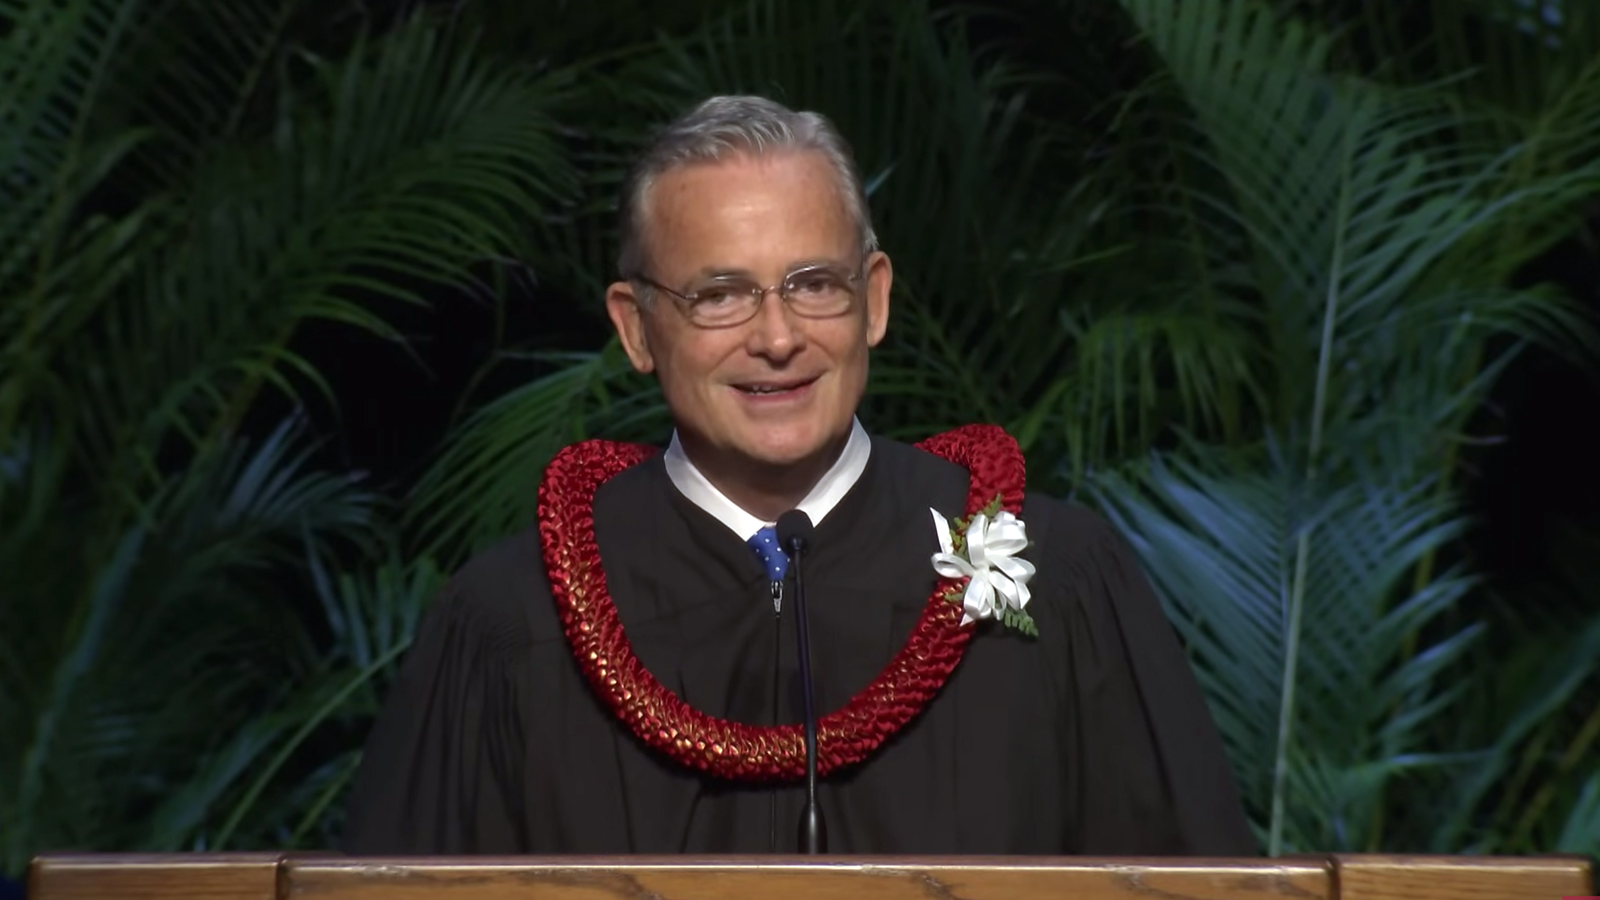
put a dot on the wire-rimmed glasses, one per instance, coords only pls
(815, 292)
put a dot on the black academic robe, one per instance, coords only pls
(1092, 738)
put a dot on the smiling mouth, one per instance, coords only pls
(769, 389)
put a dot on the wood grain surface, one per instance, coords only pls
(779, 878)
(179, 876)
(272, 876)
(1461, 878)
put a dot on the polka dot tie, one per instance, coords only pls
(765, 544)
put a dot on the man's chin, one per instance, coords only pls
(752, 446)
(780, 454)
(777, 457)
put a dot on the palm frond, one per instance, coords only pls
(55, 59)
(268, 784)
(146, 650)
(409, 164)
(1534, 78)
(1581, 831)
(1530, 724)
(1352, 199)
(56, 267)
(197, 75)
(1317, 697)
(372, 612)
(485, 482)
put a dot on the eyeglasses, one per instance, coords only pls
(816, 292)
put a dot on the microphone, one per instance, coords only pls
(794, 533)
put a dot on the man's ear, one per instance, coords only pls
(623, 308)
(880, 278)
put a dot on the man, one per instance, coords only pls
(623, 677)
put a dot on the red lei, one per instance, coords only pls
(717, 746)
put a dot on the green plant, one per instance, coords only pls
(164, 233)
(1303, 574)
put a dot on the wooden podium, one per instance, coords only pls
(317, 877)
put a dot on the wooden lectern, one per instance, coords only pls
(312, 877)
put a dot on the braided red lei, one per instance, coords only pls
(717, 746)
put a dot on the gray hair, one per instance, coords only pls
(726, 126)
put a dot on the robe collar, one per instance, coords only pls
(824, 495)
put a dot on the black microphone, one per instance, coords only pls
(794, 533)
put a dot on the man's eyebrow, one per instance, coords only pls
(720, 272)
(797, 266)
(817, 262)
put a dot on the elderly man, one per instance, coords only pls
(991, 670)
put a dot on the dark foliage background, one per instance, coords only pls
(296, 299)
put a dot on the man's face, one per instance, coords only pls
(779, 389)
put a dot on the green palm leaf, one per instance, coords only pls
(1529, 724)
(1348, 194)
(56, 268)
(411, 163)
(1581, 831)
(142, 651)
(253, 789)
(54, 63)
(485, 483)
(198, 75)
(1349, 202)
(1223, 544)
(1530, 74)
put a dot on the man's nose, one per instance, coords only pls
(773, 332)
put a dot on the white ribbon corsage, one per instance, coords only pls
(984, 550)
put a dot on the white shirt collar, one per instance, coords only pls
(827, 493)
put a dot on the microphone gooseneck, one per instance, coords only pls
(794, 535)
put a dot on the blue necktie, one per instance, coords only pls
(765, 544)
